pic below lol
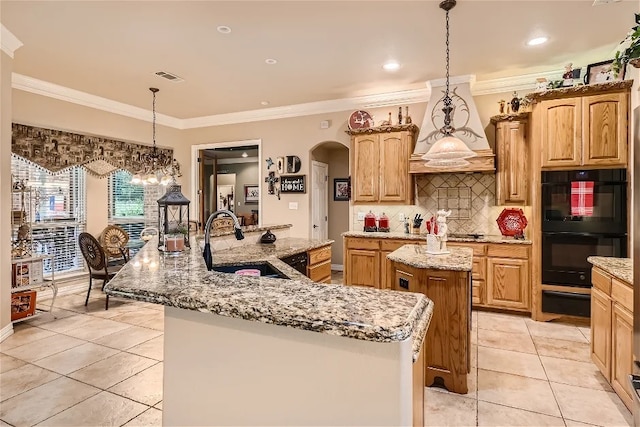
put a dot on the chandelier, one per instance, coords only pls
(449, 150)
(156, 167)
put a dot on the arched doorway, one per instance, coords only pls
(336, 156)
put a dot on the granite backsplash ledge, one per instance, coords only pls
(471, 198)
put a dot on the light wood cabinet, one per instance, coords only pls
(512, 172)
(604, 129)
(363, 267)
(584, 131)
(319, 265)
(508, 283)
(601, 331)
(448, 341)
(380, 164)
(622, 352)
(612, 331)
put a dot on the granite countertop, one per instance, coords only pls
(620, 268)
(351, 311)
(459, 258)
(423, 237)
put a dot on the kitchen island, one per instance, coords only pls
(446, 280)
(245, 350)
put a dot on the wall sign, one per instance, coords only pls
(293, 184)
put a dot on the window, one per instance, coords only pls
(56, 212)
(126, 203)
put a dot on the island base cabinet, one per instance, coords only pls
(448, 341)
(227, 371)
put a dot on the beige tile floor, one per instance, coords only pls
(89, 367)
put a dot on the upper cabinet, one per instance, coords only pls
(512, 169)
(590, 130)
(380, 164)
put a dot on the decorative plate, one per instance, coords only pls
(512, 222)
(360, 120)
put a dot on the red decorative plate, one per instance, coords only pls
(512, 222)
(360, 120)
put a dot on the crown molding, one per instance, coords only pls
(52, 90)
(522, 82)
(483, 87)
(8, 42)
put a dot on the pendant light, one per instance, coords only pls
(449, 150)
(156, 167)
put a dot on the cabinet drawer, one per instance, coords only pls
(392, 245)
(320, 272)
(363, 244)
(601, 280)
(319, 255)
(479, 270)
(622, 294)
(508, 251)
(479, 249)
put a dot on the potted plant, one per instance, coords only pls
(629, 50)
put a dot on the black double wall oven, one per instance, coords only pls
(584, 213)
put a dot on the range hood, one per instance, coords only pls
(466, 121)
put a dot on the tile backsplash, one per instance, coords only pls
(471, 198)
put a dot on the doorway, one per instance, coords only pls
(227, 176)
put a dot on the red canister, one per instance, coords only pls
(383, 223)
(370, 222)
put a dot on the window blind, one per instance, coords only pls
(56, 212)
(126, 203)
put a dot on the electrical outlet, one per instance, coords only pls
(401, 217)
(360, 216)
(293, 205)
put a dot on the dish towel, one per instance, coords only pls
(582, 198)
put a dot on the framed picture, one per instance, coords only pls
(341, 189)
(251, 193)
(602, 72)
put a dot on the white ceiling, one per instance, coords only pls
(325, 49)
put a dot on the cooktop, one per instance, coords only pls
(466, 236)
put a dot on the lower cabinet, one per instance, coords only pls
(363, 267)
(319, 264)
(612, 332)
(447, 344)
(508, 283)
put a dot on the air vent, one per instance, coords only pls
(169, 76)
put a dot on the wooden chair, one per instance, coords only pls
(113, 239)
(222, 223)
(96, 259)
(148, 232)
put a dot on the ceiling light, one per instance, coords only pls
(223, 29)
(537, 41)
(271, 61)
(449, 150)
(157, 166)
(391, 66)
(245, 155)
(264, 103)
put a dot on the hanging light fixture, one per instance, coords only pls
(156, 167)
(449, 150)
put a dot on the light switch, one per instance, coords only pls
(360, 216)
(401, 217)
(293, 205)
(239, 203)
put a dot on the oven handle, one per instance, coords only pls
(573, 234)
(584, 180)
(567, 294)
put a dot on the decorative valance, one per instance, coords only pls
(56, 150)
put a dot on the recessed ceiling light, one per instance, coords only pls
(224, 29)
(270, 61)
(536, 41)
(264, 103)
(391, 66)
(245, 155)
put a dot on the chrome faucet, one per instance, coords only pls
(206, 253)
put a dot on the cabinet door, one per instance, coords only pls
(513, 155)
(394, 167)
(601, 331)
(508, 283)
(365, 168)
(622, 353)
(604, 129)
(561, 132)
(364, 267)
